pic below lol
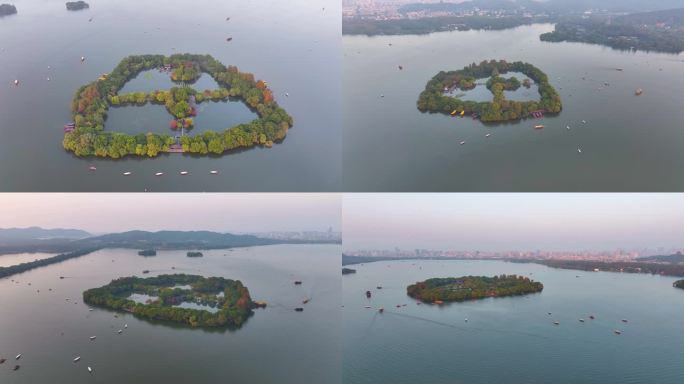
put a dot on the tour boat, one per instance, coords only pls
(90, 370)
(125, 325)
(540, 126)
(92, 168)
(213, 172)
(581, 320)
(618, 332)
(119, 331)
(90, 309)
(16, 367)
(638, 92)
(379, 287)
(127, 173)
(297, 282)
(77, 359)
(439, 302)
(367, 306)
(462, 142)
(93, 337)
(400, 67)
(381, 309)
(624, 320)
(299, 309)
(159, 174)
(2, 361)
(556, 322)
(567, 127)
(584, 121)
(82, 58)
(287, 94)
(16, 82)
(488, 135)
(305, 301)
(184, 173)
(18, 357)
(579, 150)
(368, 294)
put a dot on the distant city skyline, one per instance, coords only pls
(233, 212)
(505, 223)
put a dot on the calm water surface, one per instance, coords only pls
(629, 143)
(295, 46)
(512, 340)
(276, 345)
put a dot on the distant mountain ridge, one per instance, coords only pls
(174, 239)
(38, 233)
(676, 258)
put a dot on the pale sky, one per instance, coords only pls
(498, 222)
(221, 212)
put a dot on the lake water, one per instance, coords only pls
(19, 258)
(276, 345)
(629, 143)
(512, 340)
(295, 46)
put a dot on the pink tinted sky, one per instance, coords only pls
(228, 212)
(498, 222)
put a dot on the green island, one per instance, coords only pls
(195, 254)
(77, 5)
(7, 9)
(679, 284)
(87, 136)
(147, 252)
(348, 271)
(439, 290)
(435, 100)
(229, 298)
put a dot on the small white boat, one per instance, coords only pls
(213, 172)
(90, 309)
(584, 121)
(48, 79)
(119, 331)
(82, 58)
(579, 150)
(466, 319)
(287, 94)
(581, 320)
(18, 357)
(159, 174)
(125, 325)
(488, 135)
(556, 323)
(93, 337)
(16, 82)
(367, 306)
(77, 359)
(618, 332)
(567, 127)
(92, 168)
(90, 370)
(462, 142)
(127, 173)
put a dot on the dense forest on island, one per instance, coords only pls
(435, 100)
(348, 271)
(77, 5)
(465, 288)
(669, 269)
(679, 284)
(7, 9)
(92, 101)
(234, 306)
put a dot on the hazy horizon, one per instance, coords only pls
(234, 212)
(506, 222)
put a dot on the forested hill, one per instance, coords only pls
(672, 18)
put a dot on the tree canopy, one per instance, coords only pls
(92, 101)
(230, 297)
(435, 100)
(472, 288)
